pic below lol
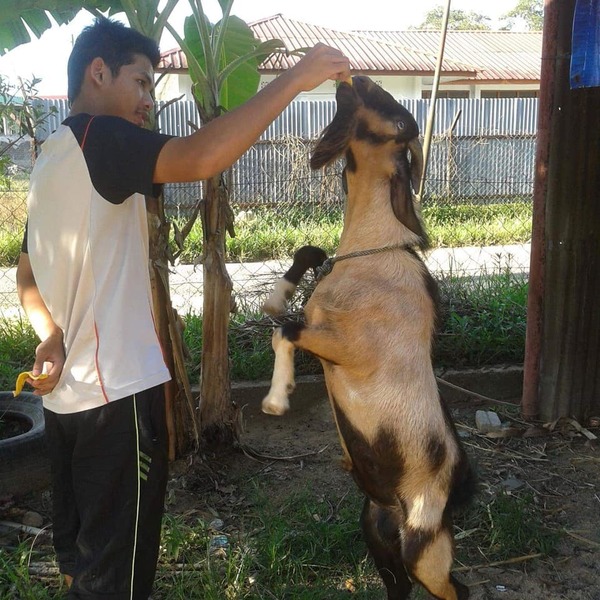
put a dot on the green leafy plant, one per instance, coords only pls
(483, 321)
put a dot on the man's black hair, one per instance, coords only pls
(112, 41)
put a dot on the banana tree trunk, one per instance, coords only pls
(218, 415)
(180, 409)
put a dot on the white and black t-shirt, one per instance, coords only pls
(87, 240)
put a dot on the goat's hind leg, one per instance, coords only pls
(381, 529)
(276, 401)
(428, 556)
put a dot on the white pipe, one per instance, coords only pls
(434, 91)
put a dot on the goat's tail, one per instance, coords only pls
(307, 257)
(464, 484)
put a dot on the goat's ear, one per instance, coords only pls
(416, 163)
(334, 139)
(402, 201)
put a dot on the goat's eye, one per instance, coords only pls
(400, 125)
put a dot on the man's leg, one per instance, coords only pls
(120, 473)
(60, 438)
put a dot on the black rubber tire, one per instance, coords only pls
(24, 464)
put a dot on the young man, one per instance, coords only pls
(83, 281)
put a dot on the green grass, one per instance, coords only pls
(12, 223)
(267, 234)
(307, 546)
(15, 580)
(482, 323)
(17, 349)
(516, 526)
(504, 526)
(274, 234)
(456, 225)
(10, 247)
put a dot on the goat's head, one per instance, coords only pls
(375, 132)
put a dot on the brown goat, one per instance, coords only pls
(371, 323)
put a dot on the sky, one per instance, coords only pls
(47, 57)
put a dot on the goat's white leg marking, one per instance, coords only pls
(276, 303)
(276, 402)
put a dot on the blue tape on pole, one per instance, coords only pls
(585, 52)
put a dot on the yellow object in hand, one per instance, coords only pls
(23, 377)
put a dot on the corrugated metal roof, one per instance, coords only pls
(479, 55)
(504, 55)
(366, 53)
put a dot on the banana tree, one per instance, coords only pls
(223, 62)
(17, 18)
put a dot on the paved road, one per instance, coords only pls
(252, 281)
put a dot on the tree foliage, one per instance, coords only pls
(21, 114)
(18, 19)
(527, 12)
(223, 59)
(457, 20)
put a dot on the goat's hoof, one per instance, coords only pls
(275, 406)
(274, 308)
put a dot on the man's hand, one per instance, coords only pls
(320, 63)
(50, 354)
(49, 359)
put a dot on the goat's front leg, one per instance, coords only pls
(276, 402)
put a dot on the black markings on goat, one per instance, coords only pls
(291, 331)
(375, 465)
(371, 322)
(363, 132)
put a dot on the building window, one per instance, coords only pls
(426, 94)
(509, 93)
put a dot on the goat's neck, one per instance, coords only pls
(369, 221)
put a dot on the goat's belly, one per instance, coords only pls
(408, 404)
(396, 448)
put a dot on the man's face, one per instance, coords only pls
(128, 95)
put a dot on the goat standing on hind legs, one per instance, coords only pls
(371, 322)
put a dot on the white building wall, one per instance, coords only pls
(174, 85)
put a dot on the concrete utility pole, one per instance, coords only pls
(562, 357)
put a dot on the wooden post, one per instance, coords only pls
(535, 300)
(569, 344)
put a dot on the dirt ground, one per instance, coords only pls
(555, 468)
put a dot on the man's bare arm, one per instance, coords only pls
(218, 144)
(50, 352)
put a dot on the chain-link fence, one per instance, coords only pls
(14, 184)
(476, 207)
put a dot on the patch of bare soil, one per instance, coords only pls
(557, 471)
